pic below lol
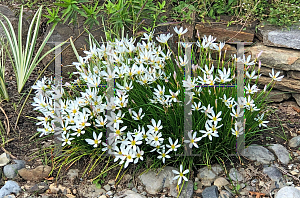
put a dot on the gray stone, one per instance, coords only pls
(39, 188)
(111, 182)
(281, 152)
(4, 159)
(235, 175)
(273, 173)
(11, 171)
(128, 194)
(72, 174)
(259, 154)
(225, 194)
(109, 193)
(220, 182)
(187, 190)
(10, 196)
(106, 187)
(288, 192)
(278, 96)
(210, 192)
(273, 36)
(285, 59)
(155, 183)
(297, 98)
(294, 142)
(9, 188)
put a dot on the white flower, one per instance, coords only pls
(163, 155)
(180, 31)
(180, 175)
(214, 117)
(66, 139)
(155, 127)
(193, 140)
(237, 131)
(96, 140)
(173, 146)
(163, 38)
(259, 119)
(138, 116)
(275, 76)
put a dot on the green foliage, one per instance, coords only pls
(22, 58)
(3, 90)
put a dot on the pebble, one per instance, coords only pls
(281, 152)
(72, 174)
(111, 182)
(294, 142)
(210, 192)
(4, 159)
(39, 188)
(235, 175)
(9, 188)
(259, 154)
(220, 182)
(35, 174)
(225, 194)
(134, 190)
(288, 192)
(11, 171)
(109, 193)
(107, 187)
(273, 173)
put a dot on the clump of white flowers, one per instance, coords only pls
(83, 117)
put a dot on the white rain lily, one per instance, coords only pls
(180, 175)
(259, 119)
(237, 113)
(163, 38)
(163, 155)
(193, 140)
(180, 31)
(275, 76)
(155, 127)
(66, 139)
(173, 146)
(96, 141)
(214, 117)
(238, 130)
(138, 116)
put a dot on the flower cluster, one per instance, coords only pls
(148, 88)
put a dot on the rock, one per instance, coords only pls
(106, 187)
(297, 98)
(285, 59)
(281, 152)
(294, 142)
(128, 194)
(90, 190)
(236, 175)
(109, 193)
(208, 175)
(134, 190)
(288, 192)
(187, 190)
(258, 153)
(220, 182)
(273, 36)
(273, 173)
(4, 159)
(39, 188)
(61, 33)
(210, 192)
(9, 188)
(70, 196)
(36, 174)
(54, 189)
(72, 174)
(155, 183)
(224, 33)
(11, 171)
(225, 194)
(111, 182)
(278, 96)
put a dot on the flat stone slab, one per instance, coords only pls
(273, 36)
